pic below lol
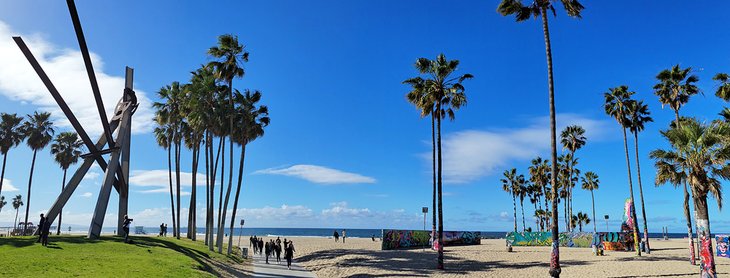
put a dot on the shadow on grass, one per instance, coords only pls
(414, 264)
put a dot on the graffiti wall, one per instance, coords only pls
(396, 239)
(545, 239)
(614, 241)
(722, 245)
(460, 238)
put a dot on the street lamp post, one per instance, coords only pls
(425, 211)
(240, 232)
(606, 217)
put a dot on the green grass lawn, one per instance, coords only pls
(110, 257)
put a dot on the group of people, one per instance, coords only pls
(273, 248)
(337, 236)
(44, 228)
(163, 230)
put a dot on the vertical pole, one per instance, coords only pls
(124, 188)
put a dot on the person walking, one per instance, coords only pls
(267, 250)
(261, 246)
(277, 250)
(162, 228)
(344, 235)
(41, 223)
(165, 230)
(336, 236)
(289, 254)
(125, 227)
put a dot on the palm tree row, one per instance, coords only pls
(37, 131)
(193, 115)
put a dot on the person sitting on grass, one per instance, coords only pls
(125, 227)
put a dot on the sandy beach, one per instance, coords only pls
(361, 257)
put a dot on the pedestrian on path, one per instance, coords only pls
(289, 254)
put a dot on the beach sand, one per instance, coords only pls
(361, 257)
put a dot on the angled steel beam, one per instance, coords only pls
(90, 69)
(124, 192)
(62, 104)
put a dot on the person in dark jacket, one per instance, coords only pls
(125, 227)
(277, 250)
(267, 251)
(289, 254)
(45, 230)
(40, 228)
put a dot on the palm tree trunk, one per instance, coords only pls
(222, 225)
(440, 193)
(60, 212)
(641, 193)
(191, 211)
(569, 190)
(631, 194)
(2, 173)
(192, 228)
(30, 182)
(565, 213)
(522, 207)
(214, 169)
(593, 203)
(514, 208)
(220, 196)
(686, 208)
(433, 164)
(172, 198)
(555, 252)
(235, 199)
(177, 188)
(207, 188)
(547, 220)
(15, 224)
(230, 164)
(707, 259)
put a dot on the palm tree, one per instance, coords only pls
(67, 150)
(704, 152)
(252, 121)
(540, 8)
(2, 202)
(572, 138)
(539, 171)
(447, 95)
(170, 112)
(617, 105)
(39, 132)
(11, 134)
(508, 185)
(638, 117)
(419, 97)
(163, 136)
(17, 203)
(522, 192)
(723, 89)
(675, 87)
(582, 218)
(231, 55)
(590, 182)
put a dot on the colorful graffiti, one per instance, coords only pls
(707, 260)
(722, 245)
(545, 239)
(613, 241)
(396, 239)
(459, 238)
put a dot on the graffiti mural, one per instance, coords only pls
(707, 260)
(459, 238)
(722, 246)
(545, 239)
(613, 241)
(395, 239)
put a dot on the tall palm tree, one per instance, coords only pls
(675, 87)
(540, 8)
(522, 192)
(508, 185)
(617, 106)
(39, 132)
(66, 150)
(2, 202)
(419, 97)
(11, 134)
(704, 152)
(572, 138)
(539, 171)
(170, 112)
(163, 136)
(446, 92)
(582, 218)
(723, 89)
(17, 203)
(590, 182)
(638, 117)
(252, 119)
(231, 55)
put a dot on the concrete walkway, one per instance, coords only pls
(261, 269)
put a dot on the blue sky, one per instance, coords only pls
(344, 148)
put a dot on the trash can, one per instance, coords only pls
(244, 252)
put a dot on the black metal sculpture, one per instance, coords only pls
(116, 171)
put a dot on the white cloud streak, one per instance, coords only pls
(65, 68)
(8, 186)
(318, 174)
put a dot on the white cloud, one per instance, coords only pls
(277, 213)
(471, 154)
(340, 209)
(65, 68)
(91, 175)
(163, 189)
(318, 174)
(87, 195)
(162, 178)
(8, 186)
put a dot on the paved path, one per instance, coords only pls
(261, 269)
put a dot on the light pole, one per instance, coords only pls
(240, 232)
(606, 217)
(425, 211)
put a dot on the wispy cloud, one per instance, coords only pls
(471, 154)
(19, 82)
(8, 186)
(87, 195)
(162, 178)
(318, 174)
